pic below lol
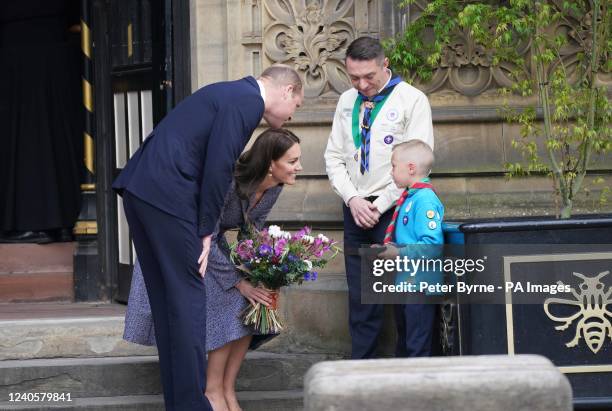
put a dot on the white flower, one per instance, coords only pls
(286, 235)
(323, 238)
(308, 238)
(275, 231)
(308, 264)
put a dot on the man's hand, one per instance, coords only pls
(203, 260)
(365, 214)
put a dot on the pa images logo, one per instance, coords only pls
(591, 303)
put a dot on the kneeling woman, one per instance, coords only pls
(261, 172)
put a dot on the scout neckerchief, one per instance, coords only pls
(424, 183)
(372, 107)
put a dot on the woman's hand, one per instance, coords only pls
(254, 294)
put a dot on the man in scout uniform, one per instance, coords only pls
(416, 222)
(379, 112)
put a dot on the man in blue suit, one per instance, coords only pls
(173, 189)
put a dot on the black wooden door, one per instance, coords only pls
(142, 69)
(137, 99)
(139, 86)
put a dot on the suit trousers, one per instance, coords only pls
(365, 320)
(168, 249)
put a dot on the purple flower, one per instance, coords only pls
(279, 247)
(292, 258)
(304, 231)
(265, 249)
(307, 276)
(245, 249)
(315, 275)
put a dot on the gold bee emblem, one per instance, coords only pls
(594, 317)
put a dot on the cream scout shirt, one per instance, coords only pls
(405, 115)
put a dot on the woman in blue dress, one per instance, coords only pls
(260, 173)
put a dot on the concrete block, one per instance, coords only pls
(475, 383)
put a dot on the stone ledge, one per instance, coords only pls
(139, 375)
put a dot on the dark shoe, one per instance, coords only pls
(63, 235)
(35, 237)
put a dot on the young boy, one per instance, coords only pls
(417, 220)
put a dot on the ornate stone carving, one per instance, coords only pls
(577, 31)
(466, 69)
(312, 36)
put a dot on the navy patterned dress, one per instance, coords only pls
(225, 304)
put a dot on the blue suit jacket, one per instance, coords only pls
(186, 164)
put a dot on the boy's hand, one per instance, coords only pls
(390, 251)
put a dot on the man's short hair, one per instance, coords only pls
(418, 152)
(365, 48)
(284, 75)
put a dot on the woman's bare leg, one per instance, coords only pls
(217, 362)
(232, 367)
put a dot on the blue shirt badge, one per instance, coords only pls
(388, 139)
(405, 220)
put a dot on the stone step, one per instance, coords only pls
(123, 403)
(315, 316)
(33, 272)
(139, 375)
(60, 330)
(35, 258)
(81, 377)
(36, 287)
(250, 401)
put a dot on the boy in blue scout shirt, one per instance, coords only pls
(417, 220)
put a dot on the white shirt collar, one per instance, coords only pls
(262, 90)
(388, 80)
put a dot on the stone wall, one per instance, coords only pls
(234, 38)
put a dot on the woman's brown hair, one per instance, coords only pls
(254, 164)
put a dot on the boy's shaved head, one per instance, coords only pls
(418, 152)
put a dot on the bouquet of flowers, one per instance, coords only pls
(275, 258)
